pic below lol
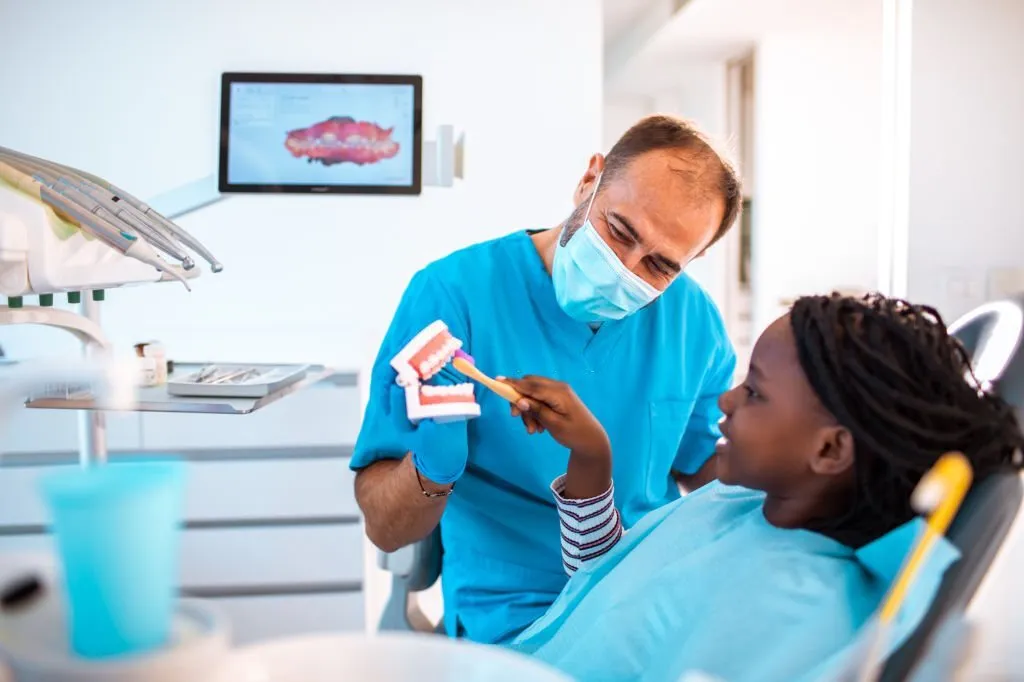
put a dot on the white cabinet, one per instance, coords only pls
(272, 531)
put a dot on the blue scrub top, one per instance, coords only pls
(652, 379)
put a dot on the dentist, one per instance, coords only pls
(600, 302)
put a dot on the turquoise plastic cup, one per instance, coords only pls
(117, 531)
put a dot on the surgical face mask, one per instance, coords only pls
(591, 283)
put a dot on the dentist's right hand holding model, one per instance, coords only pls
(600, 302)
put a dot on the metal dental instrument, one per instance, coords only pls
(53, 176)
(120, 195)
(62, 185)
(98, 226)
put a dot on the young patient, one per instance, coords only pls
(769, 571)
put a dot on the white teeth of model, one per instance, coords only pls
(464, 389)
(424, 368)
(428, 390)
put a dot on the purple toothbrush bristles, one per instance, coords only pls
(465, 356)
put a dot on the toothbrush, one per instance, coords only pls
(463, 362)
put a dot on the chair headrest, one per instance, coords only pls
(993, 335)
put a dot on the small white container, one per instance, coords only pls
(152, 363)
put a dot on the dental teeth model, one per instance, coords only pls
(428, 353)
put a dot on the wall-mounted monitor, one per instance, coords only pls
(320, 133)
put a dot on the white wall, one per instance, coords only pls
(967, 149)
(620, 112)
(311, 277)
(816, 159)
(966, 216)
(129, 91)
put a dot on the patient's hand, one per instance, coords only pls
(553, 406)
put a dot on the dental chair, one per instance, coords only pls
(414, 568)
(993, 334)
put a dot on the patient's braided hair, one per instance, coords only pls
(889, 372)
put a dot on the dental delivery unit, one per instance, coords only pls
(95, 235)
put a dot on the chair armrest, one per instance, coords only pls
(414, 568)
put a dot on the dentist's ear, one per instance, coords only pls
(586, 184)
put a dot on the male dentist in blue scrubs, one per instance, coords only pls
(600, 302)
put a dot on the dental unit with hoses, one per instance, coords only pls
(65, 231)
(47, 212)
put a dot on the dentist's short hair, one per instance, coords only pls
(714, 174)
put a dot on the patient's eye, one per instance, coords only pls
(751, 392)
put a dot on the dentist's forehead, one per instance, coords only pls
(665, 196)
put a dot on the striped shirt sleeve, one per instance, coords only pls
(590, 528)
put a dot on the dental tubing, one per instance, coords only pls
(156, 228)
(90, 198)
(106, 213)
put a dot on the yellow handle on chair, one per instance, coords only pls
(939, 494)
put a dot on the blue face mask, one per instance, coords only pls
(591, 283)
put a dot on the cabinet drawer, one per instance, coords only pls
(324, 414)
(48, 431)
(272, 557)
(217, 491)
(253, 558)
(270, 489)
(254, 619)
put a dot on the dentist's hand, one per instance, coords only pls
(553, 406)
(439, 451)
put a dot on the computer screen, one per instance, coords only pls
(320, 133)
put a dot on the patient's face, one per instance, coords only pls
(774, 422)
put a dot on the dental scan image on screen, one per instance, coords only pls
(321, 134)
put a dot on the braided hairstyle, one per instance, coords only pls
(890, 373)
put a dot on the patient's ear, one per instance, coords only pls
(835, 452)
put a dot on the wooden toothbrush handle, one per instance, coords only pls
(504, 390)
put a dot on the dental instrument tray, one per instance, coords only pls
(236, 380)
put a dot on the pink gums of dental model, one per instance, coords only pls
(422, 358)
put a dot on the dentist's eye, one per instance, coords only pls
(619, 236)
(657, 268)
(751, 392)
